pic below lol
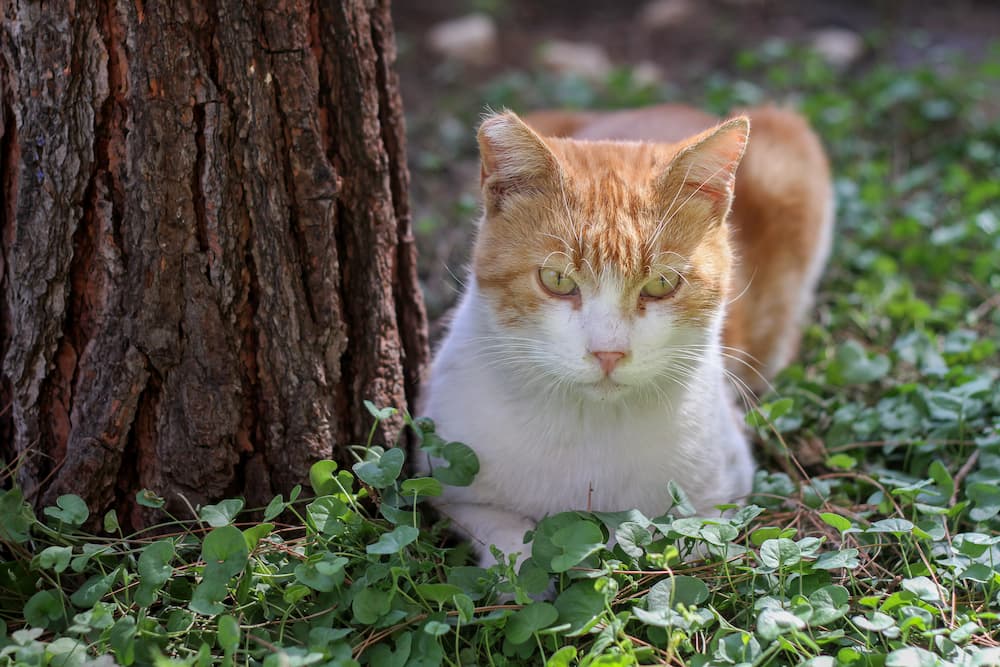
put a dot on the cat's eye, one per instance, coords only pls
(557, 282)
(661, 286)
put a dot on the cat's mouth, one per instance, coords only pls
(607, 388)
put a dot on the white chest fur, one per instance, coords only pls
(543, 451)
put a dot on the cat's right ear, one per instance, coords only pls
(514, 159)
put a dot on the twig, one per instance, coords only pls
(961, 475)
(986, 306)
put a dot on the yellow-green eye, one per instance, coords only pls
(661, 286)
(557, 282)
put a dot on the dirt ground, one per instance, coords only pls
(443, 99)
(710, 34)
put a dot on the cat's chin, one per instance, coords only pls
(605, 389)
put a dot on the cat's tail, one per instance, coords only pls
(557, 122)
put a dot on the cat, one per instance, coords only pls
(622, 262)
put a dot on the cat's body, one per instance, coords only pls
(586, 361)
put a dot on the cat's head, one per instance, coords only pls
(604, 266)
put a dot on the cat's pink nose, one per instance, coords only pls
(608, 360)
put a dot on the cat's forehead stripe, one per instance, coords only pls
(608, 190)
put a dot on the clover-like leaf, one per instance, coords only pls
(828, 604)
(462, 468)
(632, 538)
(15, 516)
(529, 620)
(925, 589)
(832, 560)
(55, 558)
(321, 478)
(382, 471)
(773, 622)
(148, 498)
(221, 514)
(70, 509)
(394, 541)
(852, 365)
(43, 609)
(225, 553)
(580, 605)
(563, 540)
(155, 569)
(228, 633)
(421, 486)
(438, 592)
(780, 553)
(92, 590)
(324, 572)
(678, 589)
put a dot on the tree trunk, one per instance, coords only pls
(207, 262)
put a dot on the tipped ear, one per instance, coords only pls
(513, 158)
(705, 170)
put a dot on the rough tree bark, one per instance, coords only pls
(206, 260)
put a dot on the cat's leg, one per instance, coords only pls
(488, 525)
(782, 230)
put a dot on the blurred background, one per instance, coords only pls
(876, 79)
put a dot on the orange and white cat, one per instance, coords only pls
(621, 263)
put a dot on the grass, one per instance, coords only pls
(872, 537)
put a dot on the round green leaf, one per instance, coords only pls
(222, 514)
(370, 604)
(438, 592)
(15, 516)
(436, 628)
(382, 471)
(324, 514)
(580, 605)
(393, 541)
(846, 558)
(576, 542)
(828, 604)
(462, 468)
(229, 633)
(680, 589)
(154, 570)
(92, 590)
(321, 477)
(780, 553)
(148, 498)
(43, 609)
(70, 509)
(111, 521)
(774, 621)
(274, 508)
(225, 554)
(421, 486)
(529, 620)
(835, 520)
(55, 558)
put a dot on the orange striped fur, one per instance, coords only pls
(780, 225)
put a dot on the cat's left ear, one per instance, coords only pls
(514, 159)
(704, 172)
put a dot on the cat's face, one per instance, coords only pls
(605, 266)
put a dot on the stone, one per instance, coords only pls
(470, 39)
(647, 73)
(664, 13)
(580, 58)
(839, 47)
